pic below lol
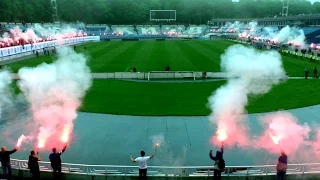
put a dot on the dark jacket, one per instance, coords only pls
(282, 163)
(33, 163)
(5, 156)
(55, 158)
(219, 154)
(217, 158)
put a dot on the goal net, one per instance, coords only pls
(171, 75)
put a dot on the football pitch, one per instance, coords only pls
(175, 99)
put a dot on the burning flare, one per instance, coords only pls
(41, 143)
(222, 135)
(275, 139)
(65, 133)
(21, 138)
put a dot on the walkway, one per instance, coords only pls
(111, 139)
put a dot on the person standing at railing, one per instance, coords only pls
(55, 160)
(33, 165)
(219, 163)
(142, 160)
(5, 161)
(282, 166)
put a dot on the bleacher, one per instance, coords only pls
(172, 29)
(309, 30)
(123, 30)
(98, 30)
(196, 30)
(148, 30)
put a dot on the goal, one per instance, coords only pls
(171, 75)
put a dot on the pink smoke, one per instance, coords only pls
(54, 92)
(18, 37)
(283, 132)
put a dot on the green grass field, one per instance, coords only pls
(154, 55)
(142, 98)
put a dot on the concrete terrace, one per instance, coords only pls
(111, 139)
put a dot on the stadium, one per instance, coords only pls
(184, 78)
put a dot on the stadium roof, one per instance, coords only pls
(297, 17)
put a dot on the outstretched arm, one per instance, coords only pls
(154, 152)
(39, 158)
(212, 157)
(13, 151)
(133, 160)
(222, 147)
(64, 149)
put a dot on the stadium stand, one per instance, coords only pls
(309, 30)
(98, 30)
(196, 30)
(124, 30)
(172, 30)
(148, 30)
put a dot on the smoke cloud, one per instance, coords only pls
(6, 95)
(283, 133)
(250, 72)
(54, 92)
(289, 35)
(38, 33)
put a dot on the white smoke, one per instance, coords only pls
(54, 92)
(6, 96)
(250, 72)
(58, 33)
(290, 34)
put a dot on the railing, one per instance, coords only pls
(84, 169)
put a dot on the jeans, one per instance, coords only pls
(35, 174)
(5, 167)
(217, 174)
(281, 175)
(57, 173)
(143, 174)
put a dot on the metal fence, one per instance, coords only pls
(84, 169)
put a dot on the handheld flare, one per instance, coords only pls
(21, 138)
(221, 135)
(275, 139)
(65, 134)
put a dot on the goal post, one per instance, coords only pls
(171, 75)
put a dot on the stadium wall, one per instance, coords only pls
(9, 51)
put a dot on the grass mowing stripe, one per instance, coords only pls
(125, 57)
(143, 58)
(200, 61)
(106, 56)
(177, 55)
(212, 53)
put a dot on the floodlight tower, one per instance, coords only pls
(54, 11)
(285, 7)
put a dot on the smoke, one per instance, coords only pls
(57, 32)
(283, 133)
(6, 95)
(157, 140)
(166, 156)
(39, 33)
(250, 72)
(54, 92)
(289, 35)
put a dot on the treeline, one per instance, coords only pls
(137, 11)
